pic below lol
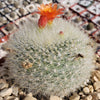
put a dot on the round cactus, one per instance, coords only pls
(25, 3)
(6, 11)
(16, 4)
(10, 1)
(54, 60)
(87, 15)
(21, 11)
(1, 19)
(77, 20)
(12, 14)
(1, 5)
(40, 1)
(90, 26)
(9, 27)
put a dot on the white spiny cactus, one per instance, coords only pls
(43, 60)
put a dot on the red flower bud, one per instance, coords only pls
(42, 21)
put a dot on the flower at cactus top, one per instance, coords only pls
(48, 11)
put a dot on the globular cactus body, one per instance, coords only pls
(43, 60)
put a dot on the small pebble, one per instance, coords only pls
(30, 94)
(21, 92)
(95, 79)
(98, 95)
(98, 90)
(55, 98)
(1, 98)
(16, 98)
(91, 88)
(96, 85)
(3, 85)
(9, 98)
(75, 96)
(97, 74)
(6, 92)
(15, 90)
(29, 98)
(94, 96)
(86, 90)
(89, 97)
(82, 94)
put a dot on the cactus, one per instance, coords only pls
(10, 1)
(21, 11)
(25, 3)
(31, 7)
(16, 4)
(12, 14)
(90, 26)
(6, 10)
(1, 5)
(55, 60)
(40, 1)
(1, 19)
(78, 19)
(98, 22)
(87, 15)
(9, 27)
